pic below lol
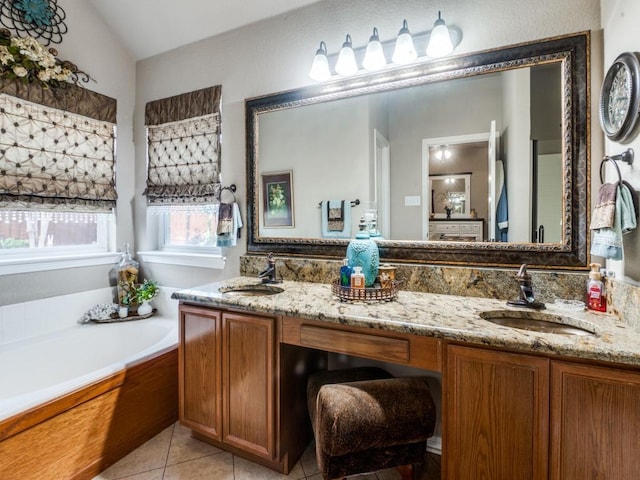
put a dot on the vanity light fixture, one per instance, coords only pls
(346, 64)
(440, 41)
(374, 57)
(443, 153)
(404, 51)
(320, 66)
(437, 43)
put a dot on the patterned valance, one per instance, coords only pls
(71, 98)
(183, 148)
(54, 159)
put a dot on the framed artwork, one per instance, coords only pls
(277, 195)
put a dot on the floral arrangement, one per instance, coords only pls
(147, 291)
(26, 59)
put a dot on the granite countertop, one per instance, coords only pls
(443, 316)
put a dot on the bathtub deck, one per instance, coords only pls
(80, 434)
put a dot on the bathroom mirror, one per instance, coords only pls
(338, 139)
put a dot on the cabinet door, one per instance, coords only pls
(248, 378)
(595, 415)
(199, 370)
(496, 415)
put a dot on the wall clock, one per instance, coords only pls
(620, 98)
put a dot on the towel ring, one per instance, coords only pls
(231, 189)
(626, 157)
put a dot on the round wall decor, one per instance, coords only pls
(43, 19)
(620, 98)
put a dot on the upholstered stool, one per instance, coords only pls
(365, 420)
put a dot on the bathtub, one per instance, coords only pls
(95, 391)
(38, 370)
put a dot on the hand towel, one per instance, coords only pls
(605, 209)
(326, 208)
(335, 216)
(607, 241)
(229, 225)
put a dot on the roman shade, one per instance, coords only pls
(183, 149)
(55, 159)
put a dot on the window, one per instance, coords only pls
(182, 228)
(57, 172)
(183, 168)
(24, 231)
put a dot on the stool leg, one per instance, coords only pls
(406, 472)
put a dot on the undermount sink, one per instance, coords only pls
(538, 322)
(251, 290)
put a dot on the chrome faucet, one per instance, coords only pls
(527, 297)
(268, 275)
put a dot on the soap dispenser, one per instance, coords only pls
(596, 299)
(363, 252)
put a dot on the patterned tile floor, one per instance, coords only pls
(174, 455)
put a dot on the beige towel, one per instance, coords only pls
(605, 209)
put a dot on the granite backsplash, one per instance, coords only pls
(449, 280)
(623, 299)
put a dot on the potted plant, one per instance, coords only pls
(144, 293)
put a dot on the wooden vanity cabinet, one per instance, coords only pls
(496, 415)
(595, 422)
(226, 373)
(200, 371)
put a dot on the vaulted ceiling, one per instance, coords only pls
(150, 27)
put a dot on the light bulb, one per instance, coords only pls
(440, 40)
(404, 51)
(346, 64)
(374, 56)
(320, 66)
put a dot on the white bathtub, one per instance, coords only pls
(39, 369)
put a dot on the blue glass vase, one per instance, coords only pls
(363, 252)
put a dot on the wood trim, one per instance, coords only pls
(404, 349)
(359, 344)
(497, 417)
(248, 377)
(595, 423)
(40, 413)
(79, 442)
(200, 346)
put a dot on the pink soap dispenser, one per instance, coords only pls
(595, 290)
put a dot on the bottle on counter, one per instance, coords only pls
(596, 299)
(357, 278)
(345, 273)
(127, 278)
(363, 252)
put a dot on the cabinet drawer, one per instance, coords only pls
(359, 344)
(413, 350)
(443, 228)
(472, 228)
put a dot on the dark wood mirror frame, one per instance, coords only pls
(571, 253)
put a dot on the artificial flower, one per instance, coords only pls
(28, 60)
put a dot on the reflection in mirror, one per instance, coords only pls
(450, 192)
(330, 147)
(382, 138)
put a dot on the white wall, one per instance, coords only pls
(516, 155)
(92, 46)
(448, 109)
(330, 159)
(620, 20)
(275, 55)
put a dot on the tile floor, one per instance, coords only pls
(174, 455)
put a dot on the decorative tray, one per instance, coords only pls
(115, 318)
(348, 294)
